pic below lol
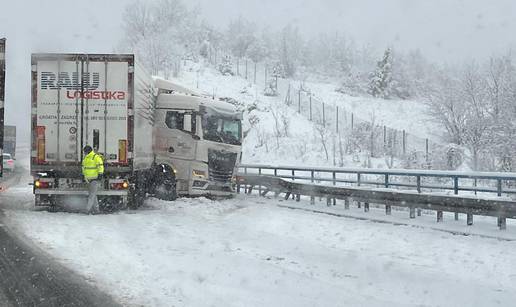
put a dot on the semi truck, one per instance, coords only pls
(155, 137)
(10, 140)
(2, 99)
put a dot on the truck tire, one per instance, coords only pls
(164, 186)
(135, 199)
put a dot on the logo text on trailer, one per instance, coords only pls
(72, 84)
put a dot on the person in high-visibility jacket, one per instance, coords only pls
(92, 170)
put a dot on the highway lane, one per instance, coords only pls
(30, 277)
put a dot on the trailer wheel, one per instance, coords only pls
(135, 198)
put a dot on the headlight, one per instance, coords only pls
(199, 173)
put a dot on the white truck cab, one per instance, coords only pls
(199, 137)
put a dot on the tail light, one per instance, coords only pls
(118, 185)
(10, 162)
(122, 151)
(40, 144)
(43, 184)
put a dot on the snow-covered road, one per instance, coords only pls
(250, 252)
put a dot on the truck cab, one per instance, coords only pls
(199, 137)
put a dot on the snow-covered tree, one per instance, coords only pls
(226, 66)
(381, 82)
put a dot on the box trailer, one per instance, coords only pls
(101, 100)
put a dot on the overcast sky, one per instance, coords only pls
(444, 30)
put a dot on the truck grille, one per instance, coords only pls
(221, 165)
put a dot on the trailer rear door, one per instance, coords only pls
(80, 100)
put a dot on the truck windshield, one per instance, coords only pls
(222, 130)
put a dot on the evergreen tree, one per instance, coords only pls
(380, 81)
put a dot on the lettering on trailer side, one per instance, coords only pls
(72, 84)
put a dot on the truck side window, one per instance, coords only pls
(188, 122)
(174, 120)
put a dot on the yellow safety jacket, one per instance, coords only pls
(92, 166)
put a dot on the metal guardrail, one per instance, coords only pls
(501, 183)
(274, 178)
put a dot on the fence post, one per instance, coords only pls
(323, 116)
(299, 101)
(259, 186)
(246, 68)
(404, 142)
(337, 119)
(412, 213)
(352, 121)
(254, 72)
(310, 97)
(238, 66)
(426, 150)
(265, 72)
(384, 138)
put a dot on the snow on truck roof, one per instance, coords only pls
(184, 98)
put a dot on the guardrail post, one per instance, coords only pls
(328, 202)
(502, 223)
(366, 207)
(259, 186)
(346, 203)
(359, 205)
(412, 213)
(499, 187)
(456, 192)
(439, 216)
(334, 201)
(312, 179)
(293, 178)
(469, 219)
(358, 179)
(418, 211)
(418, 180)
(387, 180)
(298, 197)
(388, 209)
(275, 172)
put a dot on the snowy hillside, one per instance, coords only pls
(277, 134)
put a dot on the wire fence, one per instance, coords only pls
(359, 135)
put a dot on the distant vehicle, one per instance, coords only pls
(10, 140)
(156, 137)
(8, 162)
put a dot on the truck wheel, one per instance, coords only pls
(164, 186)
(166, 190)
(135, 201)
